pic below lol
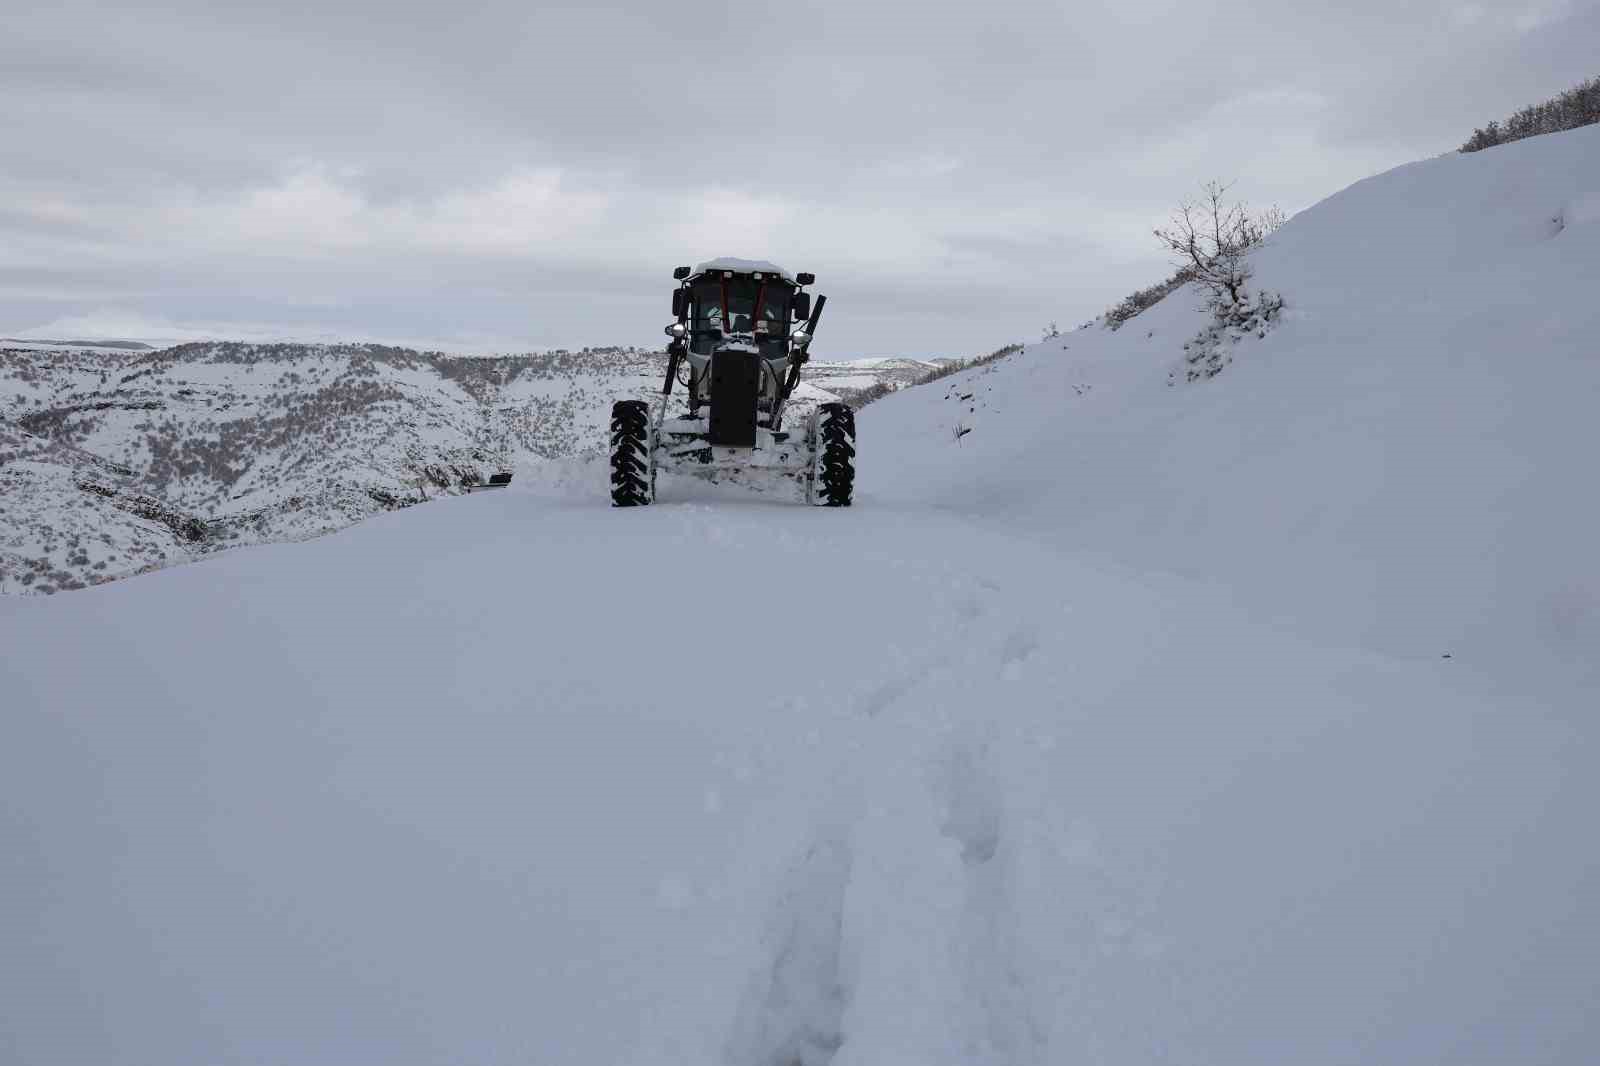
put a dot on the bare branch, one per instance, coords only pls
(1209, 238)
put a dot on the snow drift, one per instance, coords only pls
(1246, 721)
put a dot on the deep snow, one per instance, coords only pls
(1120, 729)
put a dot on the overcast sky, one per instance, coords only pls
(517, 173)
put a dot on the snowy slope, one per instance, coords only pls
(1116, 729)
(1407, 451)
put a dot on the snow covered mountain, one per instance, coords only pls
(1124, 719)
(235, 443)
(248, 443)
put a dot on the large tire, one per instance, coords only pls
(633, 476)
(833, 464)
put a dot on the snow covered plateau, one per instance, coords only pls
(1124, 719)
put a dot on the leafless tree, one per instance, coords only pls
(1208, 239)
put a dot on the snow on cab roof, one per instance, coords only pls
(743, 266)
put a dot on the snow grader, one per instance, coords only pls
(740, 336)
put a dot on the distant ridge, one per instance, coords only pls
(131, 346)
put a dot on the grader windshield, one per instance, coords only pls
(740, 304)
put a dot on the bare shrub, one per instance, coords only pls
(1209, 238)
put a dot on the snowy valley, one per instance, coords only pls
(1124, 718)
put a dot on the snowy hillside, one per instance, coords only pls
(1406, 450)
(250, 443)
(71, 517)
(255, 443)
(1124, 719)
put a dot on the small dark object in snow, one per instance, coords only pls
(496, 481)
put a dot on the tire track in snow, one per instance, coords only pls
(1002, 1028)
(897, 932)
(792, 1012)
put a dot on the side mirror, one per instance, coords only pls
(680, 303)
(800, 306)
(675, 330)
(804, 278)
(679, 273)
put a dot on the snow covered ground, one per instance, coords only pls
(1243, 721)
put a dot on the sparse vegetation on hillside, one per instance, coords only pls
(1208, 239)
(1144, 299)
(1578, 106)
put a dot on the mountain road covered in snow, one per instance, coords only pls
(1122, 719)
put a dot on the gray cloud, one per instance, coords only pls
(532, 172)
